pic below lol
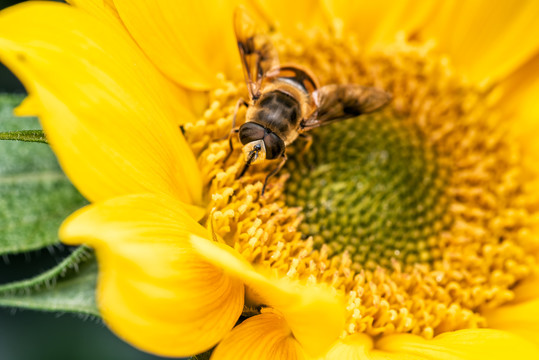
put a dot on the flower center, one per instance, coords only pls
(373, 187)
(422, 215)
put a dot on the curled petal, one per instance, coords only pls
(315, 314)
(109, 115)
(154, 290)
(261, 337)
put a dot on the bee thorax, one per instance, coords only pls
(277, 111)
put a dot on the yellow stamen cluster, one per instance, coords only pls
(474, 258)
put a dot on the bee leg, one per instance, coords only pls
(274, 171)
(240, 102)
(308, 142)
(234, 130)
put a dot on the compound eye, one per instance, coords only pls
(250, 132)
(274, 146)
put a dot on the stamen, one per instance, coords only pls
(422, 215)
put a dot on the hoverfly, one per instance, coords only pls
(286, 101)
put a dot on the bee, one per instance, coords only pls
(286, 101)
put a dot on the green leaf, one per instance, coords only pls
(68, 287)
(35, 195)
(24, 135)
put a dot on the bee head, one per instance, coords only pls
(259, 143)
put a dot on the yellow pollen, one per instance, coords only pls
(477, 243)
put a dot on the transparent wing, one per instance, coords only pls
(257, 53)
(339, 102)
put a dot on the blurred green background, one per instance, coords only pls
(30, 335)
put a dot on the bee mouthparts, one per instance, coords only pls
(254, 152)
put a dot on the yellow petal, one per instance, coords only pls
(106, 10)
(154, 290)
(486, 39)
(521, 91)
(360, 347)
(521, 319)
(520, 106)
(314, 313)
(190, 41)
(527, 290)
(261, 337)
(378, 22)
(109, 115)
(28, 107)
(521, 316)
(101, 8)
(469, 344)
(287, 15)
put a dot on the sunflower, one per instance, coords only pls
(406, 234)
